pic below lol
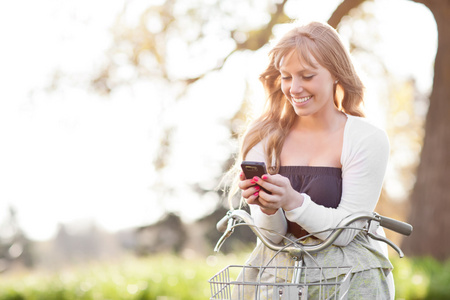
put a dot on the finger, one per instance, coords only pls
(267, 200)
(253, 199)
(245, 184)
(266, 186)
(268, 207)
(270, 210)
(276, 184)
(276, 179)
(251, 191)
(271, 201)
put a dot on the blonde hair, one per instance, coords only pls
(323, 43)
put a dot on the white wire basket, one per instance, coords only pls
(274, 283)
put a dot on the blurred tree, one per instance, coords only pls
(168, 235)
(430, 195)
(430, 199)
(152, 44)
(147, 42)
(15, 247)
(405, 125)
(174, 44)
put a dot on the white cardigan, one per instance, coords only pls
(364, 158)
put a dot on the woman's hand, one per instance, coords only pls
(282, 194)
(250, 192)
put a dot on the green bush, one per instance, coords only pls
(160, 277)
(421, 278)
(168, 277)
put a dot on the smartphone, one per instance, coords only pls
(254, 168)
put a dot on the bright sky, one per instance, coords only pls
(72, 155)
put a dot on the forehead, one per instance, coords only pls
(298, 59)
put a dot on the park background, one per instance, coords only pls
(119, 118)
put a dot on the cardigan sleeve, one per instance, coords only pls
(364, 159)
(276, 223)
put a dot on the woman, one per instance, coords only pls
(325, 161)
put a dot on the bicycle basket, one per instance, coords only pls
(274, 283)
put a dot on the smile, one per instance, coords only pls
(301, 100)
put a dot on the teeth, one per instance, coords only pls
(300, 100)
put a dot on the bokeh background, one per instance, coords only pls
(119, 118)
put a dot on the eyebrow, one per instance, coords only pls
(305, 70)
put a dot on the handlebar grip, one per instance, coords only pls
(223, 224)
(395, 225)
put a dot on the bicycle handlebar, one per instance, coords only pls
(228, 223)
(222, 224)
(395, 225)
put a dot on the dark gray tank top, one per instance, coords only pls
(322, 184)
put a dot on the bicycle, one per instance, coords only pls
(298, 283)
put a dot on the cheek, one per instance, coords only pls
(285, 88)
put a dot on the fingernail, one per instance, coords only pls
(264, 177)
(252, 182)
(257, 187)
(256, 194)
(255, 179)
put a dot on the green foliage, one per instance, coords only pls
(422, 278)
(159, 277)
(173, 278)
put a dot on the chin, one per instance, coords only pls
(302, 112)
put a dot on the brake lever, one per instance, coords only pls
(228, 232)
(372, 232)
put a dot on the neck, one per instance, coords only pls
(325, 121)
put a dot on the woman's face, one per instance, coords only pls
(309, 89)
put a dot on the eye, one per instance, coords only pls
(308, 77)
(285, 77)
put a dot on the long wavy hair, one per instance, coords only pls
(323, 43)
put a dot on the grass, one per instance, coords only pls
(167, 277)
(163, 277)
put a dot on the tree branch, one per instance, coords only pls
(256, 39)
(342, 10)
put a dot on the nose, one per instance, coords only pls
(296, 86)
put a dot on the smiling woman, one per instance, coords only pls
(325, 161)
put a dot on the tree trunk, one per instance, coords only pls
(430, 199)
